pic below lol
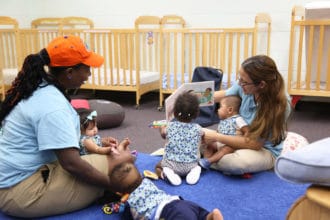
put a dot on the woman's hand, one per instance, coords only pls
(236, 142)
(162, 130)
(210, 135)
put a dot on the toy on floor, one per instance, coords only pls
(134, 153)
(116, 207)
(247, 176)
(158, 124)
(151, 175)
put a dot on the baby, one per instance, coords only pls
(231, 123)
(147, 201)
(183, 139)
(90, 141)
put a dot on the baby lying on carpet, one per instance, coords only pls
(146, 201)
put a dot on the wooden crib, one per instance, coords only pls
(158, 54)
(131, 57)
(184, 49)
(9, 52)
(309, 56)
(16, 43)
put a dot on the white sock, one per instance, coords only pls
(193, 176)
(172, 177)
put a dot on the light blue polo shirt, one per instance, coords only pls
(31, 131)
(248, 110)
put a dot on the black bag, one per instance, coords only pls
(208, 114)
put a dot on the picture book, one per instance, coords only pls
(204, 90)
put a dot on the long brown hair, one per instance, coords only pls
(269, 122)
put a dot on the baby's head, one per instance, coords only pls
(207, 92)
(88, 124)
(186, 107)
(125, 178)
(229, 106)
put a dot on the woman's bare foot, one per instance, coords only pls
(214, 215)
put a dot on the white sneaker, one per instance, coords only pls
(172, 177)
(193, 176)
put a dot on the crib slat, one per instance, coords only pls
(328, 71)
(311, 57)
(151, 48)
(320, 55)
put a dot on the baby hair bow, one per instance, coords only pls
(92, 115)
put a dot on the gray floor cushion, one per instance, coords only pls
(109, 114)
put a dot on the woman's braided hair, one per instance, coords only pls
(29, 79)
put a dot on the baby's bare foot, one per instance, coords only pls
(214, 215)
(124, 144)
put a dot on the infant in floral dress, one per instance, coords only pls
(183, 139)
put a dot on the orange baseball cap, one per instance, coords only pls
(70, 51)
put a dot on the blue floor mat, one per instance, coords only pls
(264, 196)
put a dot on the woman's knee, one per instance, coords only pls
(229, 165)
(98, 161)
(245, 161)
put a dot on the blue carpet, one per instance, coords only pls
(264, 196)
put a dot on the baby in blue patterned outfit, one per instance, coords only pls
(90, 141)
(183, 139)
(231, 123)
(148, 202)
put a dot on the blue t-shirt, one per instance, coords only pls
(248, 110)
(31, 131)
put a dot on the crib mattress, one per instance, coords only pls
(224, 83)
(9, 74)
(122, 77)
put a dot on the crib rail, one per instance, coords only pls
(9, 51)
(309, 56)
(162, 50)
(184, 49)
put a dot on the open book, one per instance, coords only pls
(204, 90)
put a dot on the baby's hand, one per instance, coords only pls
(239, 133)
(110, 141)
(106, 150)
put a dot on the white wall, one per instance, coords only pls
(197, 13)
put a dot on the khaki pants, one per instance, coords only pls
(245, 161)
(61, 193)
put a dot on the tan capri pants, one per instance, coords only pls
(245, 161)
(61, 193)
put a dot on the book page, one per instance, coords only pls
(204, 90)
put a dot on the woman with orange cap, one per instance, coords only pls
(41, 171)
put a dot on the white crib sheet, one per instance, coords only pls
(9, 74)
(164, 80)
(224, 82)
(145, 77)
